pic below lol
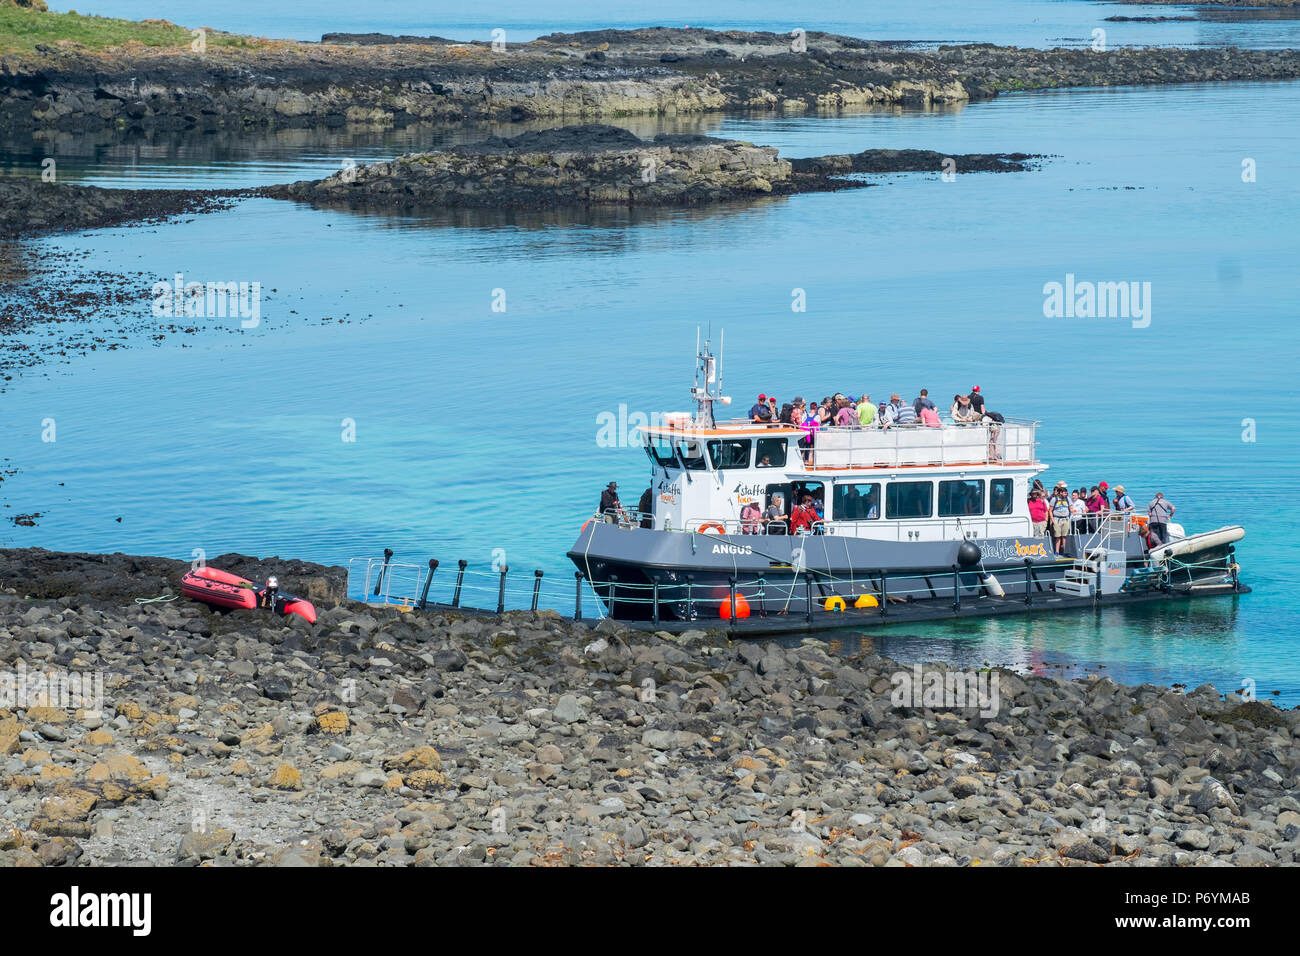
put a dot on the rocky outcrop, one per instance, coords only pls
(119, 578)
(375, 81)
(31, 207)
(913, 161)
(572, 165)
(375, 737)
(607, 165)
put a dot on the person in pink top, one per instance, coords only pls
(929, 416)
(1038, 512)
(810, 424)
(847, 416)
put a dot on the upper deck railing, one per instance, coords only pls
(1012, 442)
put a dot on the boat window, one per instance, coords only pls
(958, 499)
(732, 453)
(661, 450)
(856, 502)
(692, 454)
(774, 524)
(771, 453)
(909, 499)
(1001, 500)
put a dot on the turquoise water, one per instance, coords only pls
(1036, 23)
(476, 431)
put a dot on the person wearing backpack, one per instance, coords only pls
(1059, 505)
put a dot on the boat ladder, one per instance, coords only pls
(1080, 578)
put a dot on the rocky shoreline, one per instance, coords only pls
(591, 164)
(29, 207)
(380, 738)
(606, 165)
(379, 82)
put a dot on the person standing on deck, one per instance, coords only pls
(896, 413)
(866, 411)
(1038, 513)
(923, 402)
(963, 412)
(830, 408)
(644, 506)
(760, 413)
(1078, 511)
(1060, 507)
(847, 416)
(610, 506)
(977, 400)
(1158, 514)
(1123, 503)
(1096, 508)
(811, 422)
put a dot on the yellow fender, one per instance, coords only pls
(867, 600)
(834, 603)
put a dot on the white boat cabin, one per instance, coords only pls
(905, 483)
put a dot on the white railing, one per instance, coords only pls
(921, 445)
(1109, 531)
(949, 443)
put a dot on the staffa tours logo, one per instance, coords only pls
(946, 690)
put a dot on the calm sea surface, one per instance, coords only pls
(477, 430)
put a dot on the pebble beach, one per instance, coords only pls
(378, 737)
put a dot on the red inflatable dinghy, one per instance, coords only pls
(223, 589)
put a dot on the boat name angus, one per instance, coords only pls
(785, 522)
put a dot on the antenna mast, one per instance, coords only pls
(708, 382)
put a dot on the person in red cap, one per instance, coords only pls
(977, 400)
(761, 411)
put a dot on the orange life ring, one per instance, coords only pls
(710, 526)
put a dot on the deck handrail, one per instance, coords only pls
(1009, 442)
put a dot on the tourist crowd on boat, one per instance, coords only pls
(859, 411)
(1061, 512)
(1064, 511)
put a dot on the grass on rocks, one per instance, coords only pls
(22, 30)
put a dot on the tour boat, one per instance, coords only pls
(918, 522)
